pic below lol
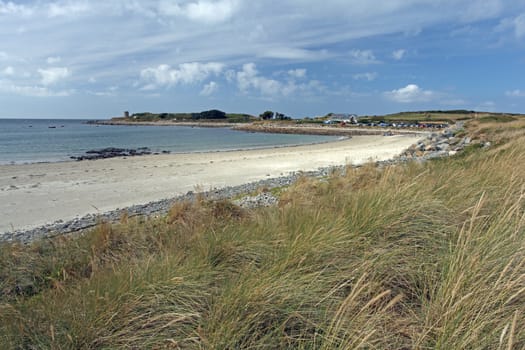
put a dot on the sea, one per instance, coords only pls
(56, 140)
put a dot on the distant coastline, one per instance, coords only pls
(129, 122)
(331, 124)
(268, 127)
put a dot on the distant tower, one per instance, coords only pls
(126, 114)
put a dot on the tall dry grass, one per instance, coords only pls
(415, 256)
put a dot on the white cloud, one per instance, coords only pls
(291, 53)
(209, 88)
(110, 91)
(53, 75)
(519, 26)
(410, 93)
(3, 56)
(58, 8)
(202, 10)
(101, 93)
(370, 76)
(8, 71)
(53, 60)
(513, 24)
(297, 73)
(249, 79)
(11, 8)
(398, 54)
(515, 93)
(69, 8)
(230, 75)
(363, 57)
(33, 91)
(186, 73)
(479, 10)
(257, 34)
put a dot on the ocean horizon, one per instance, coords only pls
(56, 140)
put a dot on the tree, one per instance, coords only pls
(266, 115)
(281, 116)
(211, 114)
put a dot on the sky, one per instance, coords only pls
(99, 58)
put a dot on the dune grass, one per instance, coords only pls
(415, 256)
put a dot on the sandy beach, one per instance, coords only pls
(36, 194)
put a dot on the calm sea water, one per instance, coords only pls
(32, 140)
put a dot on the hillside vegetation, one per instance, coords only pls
(213, 115)
(410, 256)
(450, 116)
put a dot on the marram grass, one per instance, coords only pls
(415, 256)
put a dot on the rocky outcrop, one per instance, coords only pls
(112, 152)
(437, 145)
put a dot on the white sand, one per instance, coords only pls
(36, 194)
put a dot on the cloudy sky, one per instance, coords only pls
(97, 58)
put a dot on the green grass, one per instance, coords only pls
(240, 118)
(447, 116)
(500, 118)
(158, 117)
(415, 256)
(424, 117)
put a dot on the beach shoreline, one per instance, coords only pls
(42, 193)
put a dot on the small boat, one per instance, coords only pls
(52, 127)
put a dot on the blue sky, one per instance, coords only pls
(95, 59)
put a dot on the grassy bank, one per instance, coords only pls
(415, 256)
(447, 116)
